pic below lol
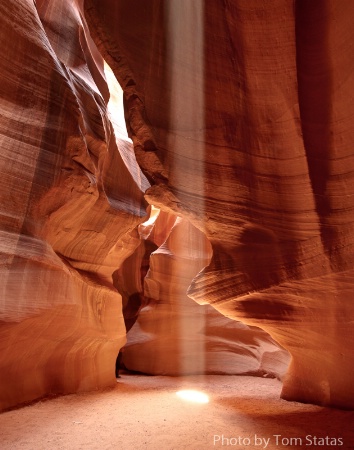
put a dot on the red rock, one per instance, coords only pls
(240, 113)
(175, 336)
(68, 206)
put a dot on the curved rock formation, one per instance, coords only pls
(69, 204)
(240, 113)
(240, 116)
(173, 335)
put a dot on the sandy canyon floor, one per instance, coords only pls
(145, 413)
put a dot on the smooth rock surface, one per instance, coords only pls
(172, 334)
(241, 115)
(69, 204)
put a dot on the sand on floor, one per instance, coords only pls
(144, 412)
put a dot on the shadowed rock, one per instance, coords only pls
(253, 136)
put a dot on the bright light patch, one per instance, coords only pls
(115, 104)
(193, 396)
(153, 216)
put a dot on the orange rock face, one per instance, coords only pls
(68, 206)
(240, 118)
(240, 113)
(173, 335)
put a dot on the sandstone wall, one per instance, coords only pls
(240, 117)
(68, 206)
(240, 112)
(172, 334)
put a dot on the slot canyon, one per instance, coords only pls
(177, 185)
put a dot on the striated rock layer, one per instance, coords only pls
(240, 116)
(172, 334)
(69, 205)
(240, 113)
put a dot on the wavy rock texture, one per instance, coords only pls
(69, 203)
(240, 115)
(240, 112)
(173, 335)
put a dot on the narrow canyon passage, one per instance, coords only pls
(144, 413)
(176, 179)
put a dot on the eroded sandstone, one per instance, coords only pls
(240, 113)
(172, 334)
(69, 205)
(240, 117)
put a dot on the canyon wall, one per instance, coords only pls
(69, 206)
(172, 334)
(240, 113)
(72, 258)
